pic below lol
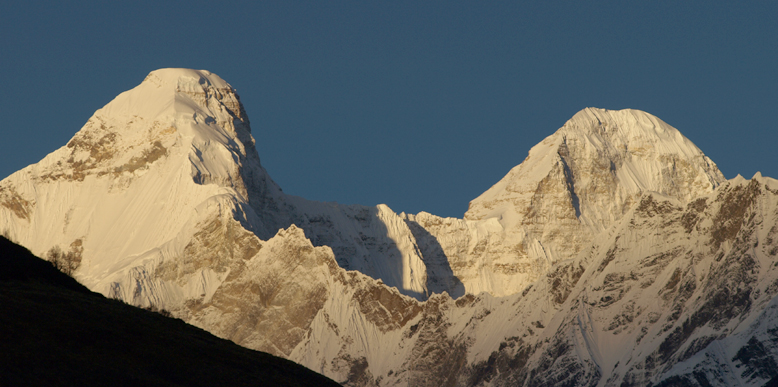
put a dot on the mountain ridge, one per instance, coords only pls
(522, 290)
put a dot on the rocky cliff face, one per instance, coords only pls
(615, 254)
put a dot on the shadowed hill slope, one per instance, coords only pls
(56, 332)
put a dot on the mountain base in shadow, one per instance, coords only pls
(57, 332)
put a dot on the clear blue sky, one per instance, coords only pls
(417, 104)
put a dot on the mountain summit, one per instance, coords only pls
(173, 147)
(572, 186)
(614, 254)
(603, 159)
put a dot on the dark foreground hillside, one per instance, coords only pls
(53, 331)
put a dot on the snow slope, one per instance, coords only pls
(615, 254)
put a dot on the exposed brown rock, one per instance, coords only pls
(148, 156)
(385, 307)
(11, 200)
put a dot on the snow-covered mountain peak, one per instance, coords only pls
(183, 78)
(166, 93)
(587, 175)
(626, 119)
(632, 130)
(193, 118)
(620, 152)
(177, 140)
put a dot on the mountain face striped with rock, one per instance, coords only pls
(615, 254)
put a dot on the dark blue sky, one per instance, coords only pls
(419, 105)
